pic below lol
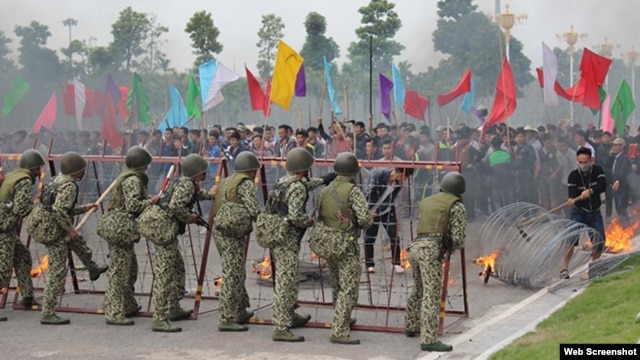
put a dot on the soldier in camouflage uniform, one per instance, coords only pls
(175, 205)
(298, 163)
(16, 194)
(342, 211)
(120, 231)
(239, 188)
(441, 228)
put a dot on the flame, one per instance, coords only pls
(262, 267)
(40, 269)
(488, 261)
(404, 259)
(314, 256)
(619, 237)
(217, 281)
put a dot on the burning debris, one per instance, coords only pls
(404, 259)
(262, 267)
(217, 281)
(40, 269)
(489, 264)
(618, 237)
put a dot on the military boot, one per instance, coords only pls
(164, 326)
(94, 273)
(133, 312)
(3, 318)
(119, 321)
(436, 346)
(346, 340)
(299, 320)
(287, 336)
(29, 302)
(53, 319)
(244, 317)
(179, 313)
(231, 326)
(411, 333)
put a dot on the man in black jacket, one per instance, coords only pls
(620, 172)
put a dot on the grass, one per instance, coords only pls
(604, 313)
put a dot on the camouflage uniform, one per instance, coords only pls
(423, 306)
(234, 298)
(64, 209)
(286, 256)
(12, 252)
(168, 287)
(133, 200)
(334, 238)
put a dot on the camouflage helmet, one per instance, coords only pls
(194, 165)
(72, 163)
(246, 161)
(31, 159)
(346, 164)
(137, 157)
(298, 160)
(453, 183)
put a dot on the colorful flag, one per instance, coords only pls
(98, 103)
(573, 94)
(506, 97)
(301, 83)
(177, 114)
(464, 86)
(607, 120)
(256, 95)
(80, 101)
(386, 86)
(221, 78)
(285, 72)
(469, 99)
(415, 105)
(192, 94)
(593, 69)
(122, 105)
(330, 90)
(206, 71)
(267, 101)
(12, 97)
(48, 115)
(68, 100)
(399, 91)
(550, 66)
(622, 107)
(109, 130)
(138, 102)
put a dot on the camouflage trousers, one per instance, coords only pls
(345, 271)
(423, 306)
(58, 256)
(14, 254)
(233, 293)
(123, 273)
(286, 290)
(168, 286)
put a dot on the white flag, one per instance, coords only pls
(223, 76)
(550, 68)
(81, 100)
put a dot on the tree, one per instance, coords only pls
(101, 61)
(39, 63)
(75, 68)
(129, 34)
(151, 63)
(316, 44)
(382, 23)
(204, 37)
(269, 34)
(6, 64)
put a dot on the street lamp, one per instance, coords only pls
(507, 21)
(69, 22)
(571, 37)
(633, 57)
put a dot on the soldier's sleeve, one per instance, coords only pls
(133, 199)
(22, 201)
(65, 205)
(458, 225)
(296, 196)
(248, 196)
(314, 183)
(360, 207)
(204, 195)
(181, 196)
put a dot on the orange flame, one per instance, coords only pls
(314, 256)
(404, 259)
(488, 261)
(40, 269)
(262, 267)
(217, 281)
(619, 237)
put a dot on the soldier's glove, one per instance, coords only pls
(328, 178)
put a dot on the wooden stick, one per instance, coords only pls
(90, 212)
(552, 211)
(324, 87)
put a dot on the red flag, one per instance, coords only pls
(574, 93)
(69, 100)
(463, 87)
(98, 103)
(48, 115)
(122, 105)
(505, 103)
(109, 129)
(266, 110)
(593, 69)
(88, 105)
(415, 105)
(255, 91)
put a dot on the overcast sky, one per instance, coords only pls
(239, 21)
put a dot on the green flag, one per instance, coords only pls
(622, 107)
(603, 95)
(193, 92)
(138, 102)
(12, 97)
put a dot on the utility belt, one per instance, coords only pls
(437, 238)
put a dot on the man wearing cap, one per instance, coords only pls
(620, 172)
(441, 229)
(17, 202)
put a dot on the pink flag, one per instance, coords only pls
(48, 115)
(607, 119)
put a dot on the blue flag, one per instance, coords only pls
(207, 72)
(332, 93)
(399, 91)
(469, 99)
(177, 114)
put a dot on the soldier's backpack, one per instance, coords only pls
(271, 227)
(44, 225)
(156, 226)
(232, 218)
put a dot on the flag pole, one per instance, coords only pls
(324, 87)
(370, 83)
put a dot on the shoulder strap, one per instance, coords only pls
(345, 212)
